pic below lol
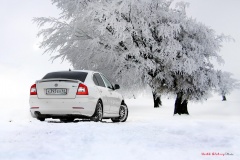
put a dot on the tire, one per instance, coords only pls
(98, 115)
(66, 120)
(41, 119)
(123, 112)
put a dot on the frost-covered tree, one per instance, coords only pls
(83, 36)
(226, 84)
(137, 43)
(194, 75)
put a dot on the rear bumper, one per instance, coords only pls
(83, 106)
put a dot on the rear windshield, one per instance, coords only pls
(67, 75)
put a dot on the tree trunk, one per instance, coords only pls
(224, 98)
(184, 107)
(178, 101)
(180, 105)
(157, 100)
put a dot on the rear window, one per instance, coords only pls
(67, 75)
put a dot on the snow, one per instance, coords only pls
(212, 128)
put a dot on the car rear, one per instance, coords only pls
(61, 94)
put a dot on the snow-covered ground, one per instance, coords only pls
(149, 134)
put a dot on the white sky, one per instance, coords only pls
(22, 62)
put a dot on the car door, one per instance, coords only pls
(114, 97)
(103, 92)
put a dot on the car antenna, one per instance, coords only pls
(70, 69)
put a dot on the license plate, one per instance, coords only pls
(56, 91)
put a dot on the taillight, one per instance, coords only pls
(33, 90)
(82, 89)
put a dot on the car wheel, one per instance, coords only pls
(98, 115)
(65, 120)
(123, 114)
(41, 119)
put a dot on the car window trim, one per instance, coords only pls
(106, 82)
(102, 80)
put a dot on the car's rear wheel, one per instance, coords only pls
(41, 119)
(123, 114)
(98, 115)
(65, 120)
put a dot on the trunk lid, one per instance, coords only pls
(57, 88)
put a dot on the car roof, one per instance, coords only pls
(88, 71)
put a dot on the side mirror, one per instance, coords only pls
(116, 86)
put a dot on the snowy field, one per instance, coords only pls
(211, 132)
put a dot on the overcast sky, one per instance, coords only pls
(22, 62)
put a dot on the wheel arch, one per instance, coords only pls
(100, 100)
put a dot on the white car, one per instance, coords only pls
(67, 95)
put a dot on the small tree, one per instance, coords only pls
(226, 84)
